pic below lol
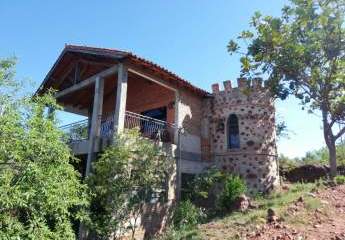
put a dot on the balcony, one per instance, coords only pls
(151, 128)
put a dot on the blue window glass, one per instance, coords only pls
(233, 132)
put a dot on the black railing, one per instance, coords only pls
(149, 127)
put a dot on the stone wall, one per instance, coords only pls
(253, 105)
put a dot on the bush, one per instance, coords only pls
(124, 179)
(202, 190)
(339, 179)
(234, 186)
(186, 214)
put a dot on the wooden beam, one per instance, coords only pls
(68, 71)
(75, 110)
(77, 73)
(95, 121)
(151, 79)
(86, 82)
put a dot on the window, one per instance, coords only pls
(233, 132)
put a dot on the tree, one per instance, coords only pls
(302, 53)
(124, 179)
(40, 192)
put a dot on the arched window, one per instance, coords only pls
(233, 132)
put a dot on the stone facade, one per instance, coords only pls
(256, 157)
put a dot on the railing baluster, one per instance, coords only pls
(149, 127)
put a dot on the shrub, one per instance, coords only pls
(202, 189)
(339, 179)
(123, 181)
(186, 214)
(234, 186)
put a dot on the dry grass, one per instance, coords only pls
(230, 226)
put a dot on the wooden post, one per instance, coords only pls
(121, 97)
(95, 121)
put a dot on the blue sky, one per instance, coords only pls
(187, 37)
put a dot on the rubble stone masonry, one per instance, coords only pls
(256, 158)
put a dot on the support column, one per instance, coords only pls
(177, 118)
(95, 130)
(121, 98)
(177, 140)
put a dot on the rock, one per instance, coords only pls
(271, 216)
(242, 203)
(311, 195)
(318, 210)
(339, 237)
(306, 173)
(253, 205)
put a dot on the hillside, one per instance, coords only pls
(301, 211)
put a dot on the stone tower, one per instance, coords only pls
(239, 135)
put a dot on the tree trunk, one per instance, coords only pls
(330, 142)
(332, 152)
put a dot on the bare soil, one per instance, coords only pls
(326, 220)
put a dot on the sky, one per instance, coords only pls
(188, 37)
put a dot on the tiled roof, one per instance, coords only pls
(119, 54)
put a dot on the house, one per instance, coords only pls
(233, 128)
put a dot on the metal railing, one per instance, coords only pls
(76, 131)
(149, 127)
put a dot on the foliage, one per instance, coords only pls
(319, 156)
(302, 53)
(124, 179)
(216, 189)
(184, 233)
(202, 185)
(339, 179)
(40, 192)
(281, 130)
(8, 85)
(233, 188)
(286, 163)
(77, 132)
(186, 214)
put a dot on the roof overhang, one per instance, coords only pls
(100, 59)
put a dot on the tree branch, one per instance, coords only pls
(340, 133)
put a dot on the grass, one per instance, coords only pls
(180, 234)
(339, 179)
(228, 226)
(278, 201)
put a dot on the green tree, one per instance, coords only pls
(302, 53)
(40, 192)
(124, 179)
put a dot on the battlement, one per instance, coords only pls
(242, 83)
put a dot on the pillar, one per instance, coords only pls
(96, 119)
(121, 97)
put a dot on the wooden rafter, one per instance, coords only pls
(87, 82)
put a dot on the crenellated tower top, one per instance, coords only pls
(242, 131)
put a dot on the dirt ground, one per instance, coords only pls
(326, 222)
